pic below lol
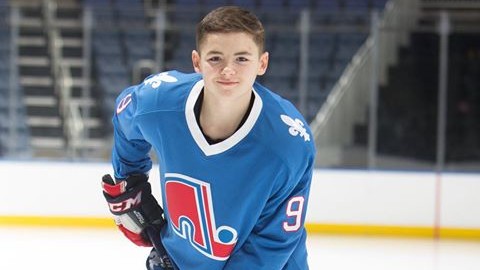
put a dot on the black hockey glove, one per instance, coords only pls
(134, 207)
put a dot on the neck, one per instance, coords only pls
(219, 119)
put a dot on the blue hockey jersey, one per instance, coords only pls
(236, 204)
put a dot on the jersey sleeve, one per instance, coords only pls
(278, 239)
(130, 151)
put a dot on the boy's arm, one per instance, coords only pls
(130, 152)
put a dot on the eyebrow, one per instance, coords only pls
(236, 54)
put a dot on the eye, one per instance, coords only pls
(242, 59)
(214, 59)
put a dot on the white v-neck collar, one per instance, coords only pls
(242, 132)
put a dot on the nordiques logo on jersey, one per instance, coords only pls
(192, 216)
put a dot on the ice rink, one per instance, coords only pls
(55, 249)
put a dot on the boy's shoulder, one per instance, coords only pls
(165, 82)
(165, 91)
(168, 78)
(288, 132)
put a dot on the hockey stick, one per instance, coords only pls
(154, 236)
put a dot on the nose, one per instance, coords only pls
(227, 71)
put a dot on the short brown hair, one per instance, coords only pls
(231, 19)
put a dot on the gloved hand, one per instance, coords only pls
(134, 207)
(155, 262)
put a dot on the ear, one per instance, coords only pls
(196, 61)
(263, 64)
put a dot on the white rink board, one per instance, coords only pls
(372, 198)
(337, 196)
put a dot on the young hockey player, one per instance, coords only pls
(235, 159)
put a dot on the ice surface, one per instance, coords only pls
(60, 249)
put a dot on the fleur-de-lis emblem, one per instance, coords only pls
(296, 127)
(157, 80)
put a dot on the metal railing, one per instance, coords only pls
(348, 101)
(73, 123)
(13, 86)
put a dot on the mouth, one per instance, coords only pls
(227, 83)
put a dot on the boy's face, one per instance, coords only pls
(229, 63)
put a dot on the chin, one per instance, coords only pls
(227, 92)
(227, 89)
